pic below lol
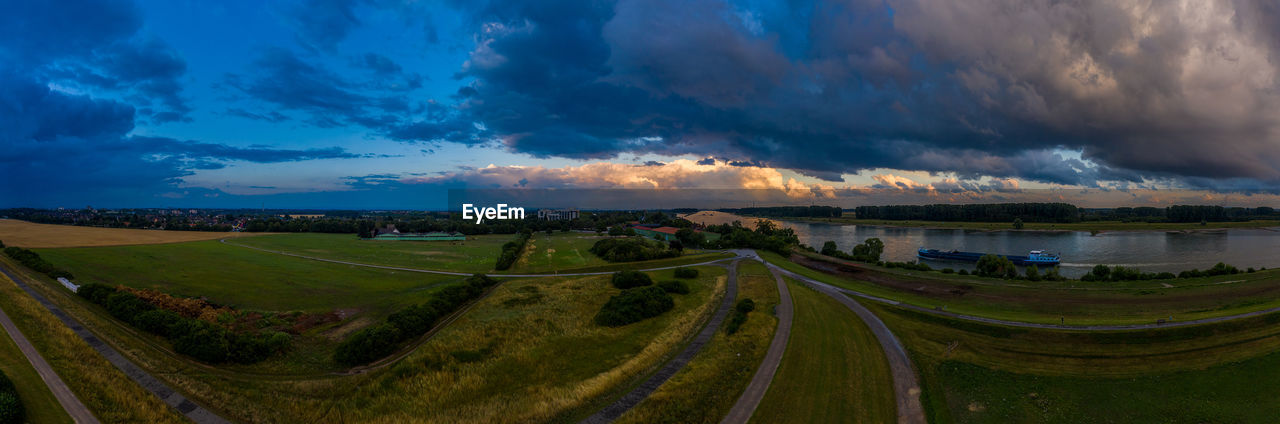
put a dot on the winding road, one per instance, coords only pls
(640, 393)
(759, 385)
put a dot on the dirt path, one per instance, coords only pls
(465, 274)
(906, 386)
(192, 411)
(640, 393)
(754, 393)
(70, 403)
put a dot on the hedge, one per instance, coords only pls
(634, 305)
(686, 273)
(378, 341)
(32, 260)
(631, 249)
(511, 251)
(196, 338)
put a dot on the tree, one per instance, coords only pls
(1033, 273)
(1017, 223)
(829, 248)
(996, 266)
(875, 248)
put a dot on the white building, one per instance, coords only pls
(557, 214)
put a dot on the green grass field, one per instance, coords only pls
(987, 373)
(1119, 303)
(39, 402)
(477, 254)
(559, 252)
(1039, 226)
(833, 370)
(246, 278)
(708, 386)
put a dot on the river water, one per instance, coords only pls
(1152, 251)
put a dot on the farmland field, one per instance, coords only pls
(31, 235)
(833, 370)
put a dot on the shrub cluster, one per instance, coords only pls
(739, 317)
(511, 251)
(996, 266)
(197, 338)
(674, 286)
(380, 340)
(11, 409)
(634, 305)
(630, 278)
(912, 266)
(686, 273)
(631, 249)
(32, 260)
(867, 251)
(1218, 269)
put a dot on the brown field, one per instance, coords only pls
(32, 235)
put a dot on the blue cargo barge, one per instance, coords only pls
(1035, 257)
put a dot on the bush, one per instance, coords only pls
(11, 409)
(996, 266)
(631, 249)
(634, 305)
(674, 286)
(511, 251)
(1033, 273)
(963, 272)
(202, 340)
(948, 271)
(739, 317)
(248, 348)
(96, 293)
(629, 278)
(368, 345)
(126, 307)
(161, 322)
(32, 260)
(686, 273)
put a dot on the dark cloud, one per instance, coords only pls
(830, 88)
(322, 24)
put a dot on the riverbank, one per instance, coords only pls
(1091, 226)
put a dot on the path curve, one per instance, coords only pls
(466, 274)
(190, 409)
(70, 403)
(754, 393)
(674, 365)
(906, 386)
(1024, 324)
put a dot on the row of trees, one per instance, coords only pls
(380, 340)
(197, 338)
(766, 236)
(511, 251)
(33, 260)
(867, 251)
(633, 249)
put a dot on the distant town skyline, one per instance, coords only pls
(371, 104)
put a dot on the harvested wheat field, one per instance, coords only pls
(32, 235)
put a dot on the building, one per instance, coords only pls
(558, 214)
(392, 234)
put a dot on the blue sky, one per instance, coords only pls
(387, 104)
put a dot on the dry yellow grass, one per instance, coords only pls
(111, 395)
(31, 235)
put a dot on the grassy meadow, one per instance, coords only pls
(709, 385)
(1100, 303)
(833, 370)
(107, 391)
(972, 372)
(32, 235)
(39, 402)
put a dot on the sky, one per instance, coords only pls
(380, 104)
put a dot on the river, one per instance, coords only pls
(1151, 251)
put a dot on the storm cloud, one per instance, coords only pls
(1175, 90)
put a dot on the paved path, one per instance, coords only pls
(465, 274)
(78, 412)
(194, 412)
(1024, 324)
(754, 393)
(635, 396)
(906, 386)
